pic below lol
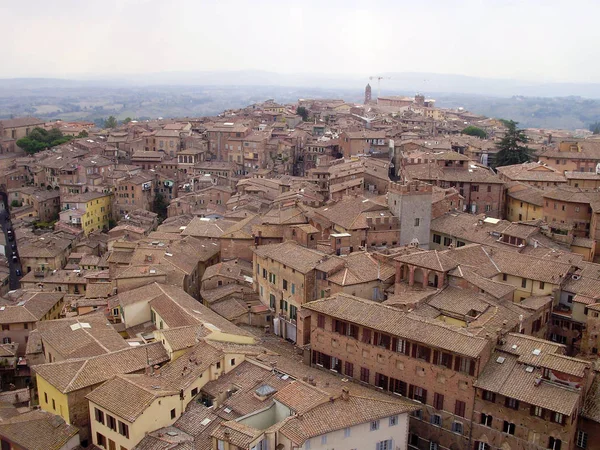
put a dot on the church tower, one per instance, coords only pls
(368, 94)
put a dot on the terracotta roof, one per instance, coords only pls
(512, 379)
(74, 374)
(180, 338)
(82, 336)
(342, 413)
(293, 255)
(532, 171)
(361, 267)
(31, 307)
(591, 407)
(37, 430)
(390, 320)
(128, 396)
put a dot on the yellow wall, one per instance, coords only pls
(97, 214)
(528, 211)
(156, 416)
(61, 404)
(532, 287)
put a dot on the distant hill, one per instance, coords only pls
(170, 94)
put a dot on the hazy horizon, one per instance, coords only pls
(529, 41)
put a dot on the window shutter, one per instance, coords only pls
(471, 367)
(395, 344)
(411, 391)
(532, 410)
(407, 349)
(424, 396)
(436, 356)
(376, 338)
(414, 351)
(457, 363)
(333, 322)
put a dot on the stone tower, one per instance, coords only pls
(411, 203)
(368, 94)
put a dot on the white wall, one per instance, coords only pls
(362, 438)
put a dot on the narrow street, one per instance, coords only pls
(6, 225)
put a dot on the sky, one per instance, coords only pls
(533, 40)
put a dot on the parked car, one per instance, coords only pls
(15, 259)
(18, 272)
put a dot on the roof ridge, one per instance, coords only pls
(76, 375)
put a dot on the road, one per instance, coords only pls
(5, 223)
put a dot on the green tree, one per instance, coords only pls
(15, 204)
(83, 134)
(513, 147)
(302, 112)
(126, 120)
(474, 131)
(159, 206)
(595, 127)
(40, 139)
(111, 122)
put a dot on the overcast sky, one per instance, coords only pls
(542, 40)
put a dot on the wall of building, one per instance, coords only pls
(57, 401)
(409, 203)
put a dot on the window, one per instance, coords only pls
(293, 312)
(436, 419)
(554, 444)
(524, 283)
(346, 432)
(349, 369)
(364, 374)
(504, 277)
(99, 415)
(321, 321)
(437, 239)
(375, 425)
(393, 421)
(123, 429)
(438, 401)
(46, 397)
(384, 445)
(285, 285)
(581, 440)
(541, 285)
(306, 445)
(537, 411)
(5, 327)
(489, 396)
(511, 403)
(482, 446)
(486, 420)
(101, 440)
(324, 439)
(419, 394)
(366, 335)
(417, 222)
(293, 288)
(508, 427)
(271, 300)
(457, 427)
(194, 392)
(433, 445)
(447, 241)
(232, 362)
(558, 418)
(111, 422)
(459, 408)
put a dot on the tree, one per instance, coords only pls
(40, 139)
(83, 134)
(474, 131)
(303, 112)
(159, 206)
(15, 204)
(595, 127)
(126, 120)
(111, 122)
(513, 146)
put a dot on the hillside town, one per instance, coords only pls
(318, 275)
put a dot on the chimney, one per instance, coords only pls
(345, 394)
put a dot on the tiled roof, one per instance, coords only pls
(72, 375)
(532, 171)
(293, 255)
(390, 320)
(361, 267)
(128, 396)
(37, 430)
(340, 413)
(83, 336)
(31, 308)
(511, 379)
(180, 338)
(591, 407)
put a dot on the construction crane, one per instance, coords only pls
(379, 83)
